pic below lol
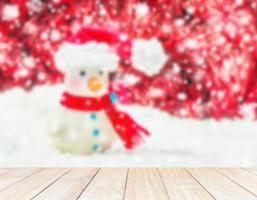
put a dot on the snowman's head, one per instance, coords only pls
(86, 67)
(86, 81)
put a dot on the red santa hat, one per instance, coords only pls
(96, 47)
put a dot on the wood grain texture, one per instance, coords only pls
(220, 186)
(69, 186)
(252, 170)
(108, 184)
(180, 185)
(32, 185)
(145, 184)
(4, 170)
(128, 184)
(242, 177)
(13, 176)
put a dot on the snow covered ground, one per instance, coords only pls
(24, 137)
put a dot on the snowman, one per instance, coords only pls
(89, 120)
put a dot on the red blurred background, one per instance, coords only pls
(212, 48)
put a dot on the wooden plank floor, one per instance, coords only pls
(124, 183)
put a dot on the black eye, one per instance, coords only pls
(82, 73)
(101, 72)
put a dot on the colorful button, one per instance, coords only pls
(93, 116)
(95, 147)
(96, 132)
(113, 98)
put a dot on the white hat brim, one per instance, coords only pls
(90, 55)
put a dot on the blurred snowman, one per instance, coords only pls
(90, 122)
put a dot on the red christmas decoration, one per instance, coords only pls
(212, 48)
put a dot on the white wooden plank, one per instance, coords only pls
(69, 186)
(220, 186)
(108, 184)
(32, 185)
(181, 185)
(242, 177)
(15, 175)
(4, 170)
(145, 184)
(252, 170)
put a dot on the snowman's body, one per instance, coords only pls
(83, 132)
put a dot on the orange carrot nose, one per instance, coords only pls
(94, 84)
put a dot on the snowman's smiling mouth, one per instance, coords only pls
(94, 84)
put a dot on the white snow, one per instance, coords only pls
(24, 139)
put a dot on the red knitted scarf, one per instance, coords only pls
(127, 129)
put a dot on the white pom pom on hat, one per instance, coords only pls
(96, 47)
(148, 56)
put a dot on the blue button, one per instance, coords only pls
(96, 132)
(93, 116)
(113, 97)
(95, 147)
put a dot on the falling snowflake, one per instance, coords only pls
(55, 35)
(141, 10)
(181, 96)
(28, 61)
(10, 12)
(34, 6)
(130, 79)
(21, 73)
(155, 92)
(191, 44)
(248, 111)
